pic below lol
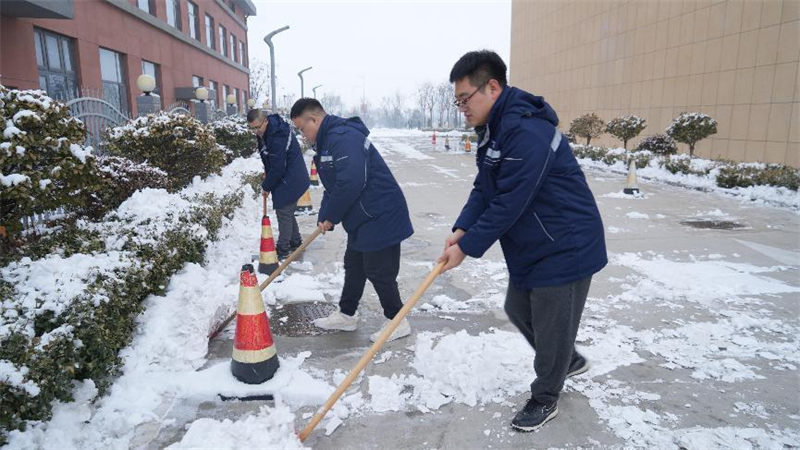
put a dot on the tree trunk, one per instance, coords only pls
(588, 140)
(691, 150)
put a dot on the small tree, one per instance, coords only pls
(659, 144)
(689, 128)
(587, 126)
(626, 128)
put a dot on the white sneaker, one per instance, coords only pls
(338, 321)
(402, 330)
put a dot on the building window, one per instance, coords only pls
(194, 21)
(223, 47)
(212, 85)
(236, 96)
(112, 71)
(225, 91)
(210, 41)
(153, 69)
(56, 62)
(233, 48)
(174, 13)
(242, 56)
(197, 81)
(147, 6)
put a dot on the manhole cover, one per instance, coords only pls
(296, 319)
(713, 224)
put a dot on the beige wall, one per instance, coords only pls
(737, 61)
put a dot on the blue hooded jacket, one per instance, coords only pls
(531, 194)
(286, 176)
(360, 191)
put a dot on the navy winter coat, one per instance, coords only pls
(360, 191)
(531, 194)
(286, 176)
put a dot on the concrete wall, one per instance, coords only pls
(734, 60)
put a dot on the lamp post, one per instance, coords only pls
(314, 89)
(231, 101)
(300, 74)
(268, 40)
(202, 110)
(147, 103)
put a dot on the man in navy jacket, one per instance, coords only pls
(361, 194)
(531, 195)
(285, 174)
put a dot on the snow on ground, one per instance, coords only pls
(171, 343)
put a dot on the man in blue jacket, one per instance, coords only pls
(531, 195)
(361, 194)
(285, 174)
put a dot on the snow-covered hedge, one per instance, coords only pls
(587, 126)
(121, 178)
(178, 144)
(232, 133)
(660, 144)
(68, 310)
(692, 127)
(775, 183)
(43, 163)
(626, 128)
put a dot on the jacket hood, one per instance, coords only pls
(515, 103)
(331, 122)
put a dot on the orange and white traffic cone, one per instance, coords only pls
(304, 205)
(255, 359)
(433, 139)
(468, 146)
(267, 257)
(314, 176)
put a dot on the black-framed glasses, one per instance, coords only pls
(460, 103)
(254, 128)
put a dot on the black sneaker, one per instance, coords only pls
(534, 415)
(578, 366)
(282, 255)
(295, 245)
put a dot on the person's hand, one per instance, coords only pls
(454, 237)
(324, 226)
(452, 257)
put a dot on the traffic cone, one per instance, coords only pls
(314, 176)
(631, 187)
(468, 146)
(267, 258)
(433, 139)
(304, 205)
(255, 359)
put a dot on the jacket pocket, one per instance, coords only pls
(541, 225)
(356, 217)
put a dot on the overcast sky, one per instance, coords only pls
(379, 47)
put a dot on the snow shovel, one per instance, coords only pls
(371, 352)
(272, 277)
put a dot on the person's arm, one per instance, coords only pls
(527, 158)
(349, 162)
(278, 147)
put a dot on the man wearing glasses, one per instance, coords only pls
(361, 194)
(531, 195)
(285, 174)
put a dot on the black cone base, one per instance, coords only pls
(255, 373)
(630, 191)
(315, 182)
(267, 269)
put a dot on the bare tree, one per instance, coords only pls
(259, 80)
(444, 95)
(332, 104)
(426, 100)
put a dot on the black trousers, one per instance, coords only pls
(288, 230)
(548, 317)
(381, 269)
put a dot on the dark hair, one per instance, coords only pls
(480, 66)
(305, 105)
(254, 114)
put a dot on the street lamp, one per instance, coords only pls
(300, 74)
(268, 40)
(314, 89)
(146, 83)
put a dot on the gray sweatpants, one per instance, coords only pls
(548, 317)
(288, 230)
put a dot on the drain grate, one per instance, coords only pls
(714, 224)
(295, 319)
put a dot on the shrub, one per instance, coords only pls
(43, 162)
(659, 144)
(626, 128)
(77, 334)
(642, 158)
(587, 126)
(589, 151)
(614, 155)
(689, 128)
(681, 164)
(175, 143)
(746, 175)
(232, 132)
(122, 177)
